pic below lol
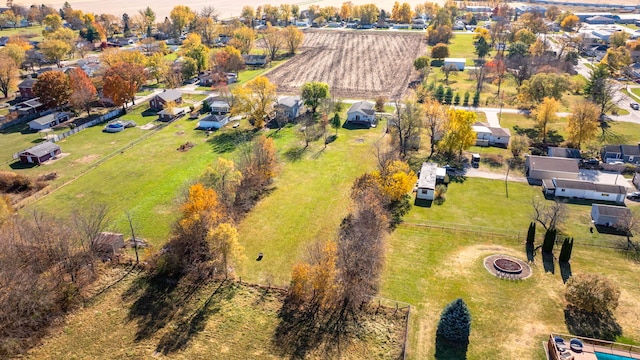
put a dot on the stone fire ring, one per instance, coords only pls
(505, 266)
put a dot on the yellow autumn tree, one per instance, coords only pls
(256, 99)
(201, 205)
(583, 123)
(396, 179)
(545, 114)
(223, 242)
(458, 131)
(6, 210)
(316, 282)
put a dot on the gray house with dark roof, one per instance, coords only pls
(159, 101)
(567, 153)
(544, 167)
(48, 121)
(40, 153)
(629, 154)
(588, 190)
(290, 106)
(362, 112)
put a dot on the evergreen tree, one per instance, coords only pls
(455, 323)
(456, 99)
(476, 99)
(439, 95)
(549, 240)
(448, 96)
(465, 102)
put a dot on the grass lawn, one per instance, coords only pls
(461, 46)
(465, 81)
(19, 137)
(430, 267)
(246, 75)
(635, 91)
(33, 33)
(227, 321)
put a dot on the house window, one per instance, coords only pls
(425, 191)
(562, 190)
(604, 195)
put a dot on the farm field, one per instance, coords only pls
(354, 64)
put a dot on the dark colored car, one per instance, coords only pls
(634, 106)
(634, 195)
(591, 162)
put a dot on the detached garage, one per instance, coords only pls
(40, 153)
(609, 215)
(213, 122)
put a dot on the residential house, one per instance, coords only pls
(538, 168)
(535, 9)
(26, 88)
(457, 62)
(427, 181)
(31, 106)
(170, 114)
(567, 153)
(585, 16)
(48, 121)
(255, 60)
(219, 107)
(479, 9)
(609, 215)
(491, 136)
(629, 154)
(213, 122)
(40, 153)
(362, 112)
(290, 106)
(159, 101)
(599, 20)
(626, 18)
(209, 78)
(587, 190)
(418, 24)
(602, 34)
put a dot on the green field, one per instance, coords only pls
(33, 33)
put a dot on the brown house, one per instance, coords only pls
(159, 101)
(26, 88)
(40, 153)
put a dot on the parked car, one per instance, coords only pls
(634, 106)
(590, 162)
(634, 195)
(449, 169)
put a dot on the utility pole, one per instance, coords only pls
(133, 236)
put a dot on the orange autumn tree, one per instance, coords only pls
(122, 81)
(202, 205)
(83, 92)
(314, 283)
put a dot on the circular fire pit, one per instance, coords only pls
(507, 266)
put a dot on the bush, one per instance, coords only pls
(11, 182)
(455, 323)
(592, 293)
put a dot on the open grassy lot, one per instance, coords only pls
(218, 321)
(461, 46)
(431, 267)
(17, 138)
(33, 33)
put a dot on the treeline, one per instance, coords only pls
(45, 264)
(204, 241)
(333, 286)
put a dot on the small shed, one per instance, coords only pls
(457, 62)
(213, 122)
(427, 181)
(609, 215)
(107, 244)
(40, 153)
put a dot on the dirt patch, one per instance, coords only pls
(354, 64)
(186, 146)
(179, 133)
(147, 126)
(56, 158)
(87, 159)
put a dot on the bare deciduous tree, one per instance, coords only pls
(548, 214)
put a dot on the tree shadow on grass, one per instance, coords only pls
(592, 325)
(548, 264)
(448, 351)
(187, 327)
(295, 153)
(298, 331)
(228, 141)
(149, 112)
(531, 253)
(565, 271)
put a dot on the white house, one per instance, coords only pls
(213, 122)
(491, 136)
(48, 121)
(220, 107)
(362, 112)
(457, 62)
(609, 215)
(427, 181)
(588, 190)
(544, 167)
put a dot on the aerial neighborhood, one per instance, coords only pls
(320, 180)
